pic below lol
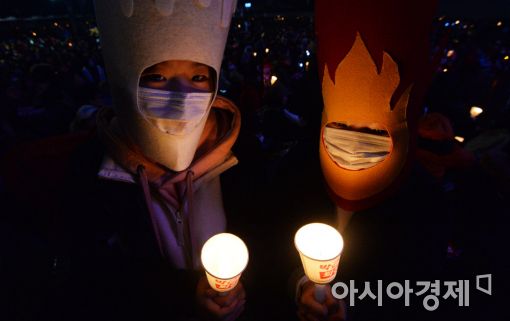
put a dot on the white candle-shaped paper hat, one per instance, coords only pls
(224, 257)
(319, 246)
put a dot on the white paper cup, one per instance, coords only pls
(224, 257)
(222, 285)
(319, 246)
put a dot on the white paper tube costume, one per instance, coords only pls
(137, 34)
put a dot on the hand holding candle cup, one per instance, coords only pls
(319, 246)
(224, 257)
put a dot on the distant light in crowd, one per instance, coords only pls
(465, 27)
(34, 34)
(273, 80)
(308, 53)
(475, 111)
(446, 24)
(307, 63)
(31, 41)
(457, 22)
(300, 65)
(254, 54)
(55, 24)
(499, 24)
(267, 50)
(506, 57)
(459, 139)
(445, 70)
(450, 53)
(247, 5)
(441, 18)
(70, 44)
(239, 26)
(223, 91)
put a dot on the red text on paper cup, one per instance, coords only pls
(327, 270)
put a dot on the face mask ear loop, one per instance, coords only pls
(148, 201)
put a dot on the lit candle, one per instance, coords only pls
(319, 246)
(224, 257)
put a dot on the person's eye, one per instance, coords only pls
(199, 78)
(152, 78)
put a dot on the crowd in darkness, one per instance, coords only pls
(52, 78)
(53, 81)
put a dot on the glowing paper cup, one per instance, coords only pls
(224, 257)
(319, 246)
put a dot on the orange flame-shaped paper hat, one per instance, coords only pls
(373, 60)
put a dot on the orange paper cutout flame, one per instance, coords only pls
(361, 96)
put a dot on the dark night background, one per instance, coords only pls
(52, 82)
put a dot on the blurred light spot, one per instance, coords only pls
(307, 53)
(247, 5)
(273, 80)
(445, 70)
(459, 139)
(450, 53)
(475, 111)
(254, 54)
(499, 24)
(267, 50)
(457, 22)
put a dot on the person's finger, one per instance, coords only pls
(212, 308)
(237, 292)
(237, 312)
(340, 314)
(210, 293)
(308, 301)
(225, 300)
(331, 303)
(311, 317)
(302, 316)
(224, 311)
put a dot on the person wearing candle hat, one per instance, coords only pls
(169, 131)
(374, 70)
(133, 205)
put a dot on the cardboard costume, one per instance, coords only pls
(373, 60)
(177, 166)
(136, 34)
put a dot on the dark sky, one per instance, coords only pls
(458, 8)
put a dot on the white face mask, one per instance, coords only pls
(355, 150)
(173, 112)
